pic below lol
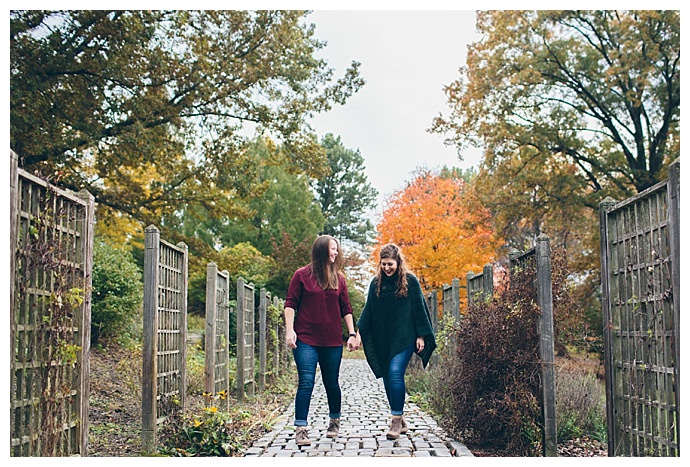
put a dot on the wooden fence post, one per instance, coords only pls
(183, 325)
(546, 345)
(14, 223)
(455, 297)
(488, 280)
(468, 280)
(85, 324)
(149, 349)
(512, 258)
(432, 301)
(604, 207)
(673, 193)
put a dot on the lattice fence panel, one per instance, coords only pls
(217, 378)
(641, 326)
(52, 246)
(164, 365)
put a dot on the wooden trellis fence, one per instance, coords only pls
(264, 300)
(282, 356)
(268, 336)
(640, 264)
(432, 301)
(270, 348)
(51, 249)
(450, 294)
(480, 286)
(216, 350)
(164, 351)
(245, 339)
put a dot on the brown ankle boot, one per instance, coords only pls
(333, 428)
(404, 428)
(396, 427)
(302, 436)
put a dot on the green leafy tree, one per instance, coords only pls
(345, 194)
(570, 106)
(288, 255)
(286, 205)
(117, 295)
(151, 110)
(244, 260)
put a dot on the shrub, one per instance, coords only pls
(580, 405)
(487, 390)
(117, 294)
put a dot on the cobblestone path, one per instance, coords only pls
(365, 419)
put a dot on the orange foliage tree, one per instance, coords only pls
(441, 230)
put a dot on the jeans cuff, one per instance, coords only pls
(334, 415)
(300, 423)
(396, 413)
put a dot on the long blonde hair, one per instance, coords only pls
(325, 272)
(392, 251)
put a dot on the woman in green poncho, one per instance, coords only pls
(394, 324)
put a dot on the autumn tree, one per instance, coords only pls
(151, 110)
(442, 234)
(345, 194)
(569, 106)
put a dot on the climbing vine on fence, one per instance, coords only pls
(51, 290)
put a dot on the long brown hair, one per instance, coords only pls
(392, 251)
(325, 272)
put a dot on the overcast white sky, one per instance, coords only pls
(406, 57)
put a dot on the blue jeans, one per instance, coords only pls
(306, 358)
(394, 382)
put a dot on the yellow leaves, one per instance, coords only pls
(115, 227)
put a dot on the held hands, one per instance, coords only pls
(353, 343)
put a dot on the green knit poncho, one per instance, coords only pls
(389, 323)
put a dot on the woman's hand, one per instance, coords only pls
(291, 338)
(420, 344)
(352, 343)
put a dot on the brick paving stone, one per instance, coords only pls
(444, 452)
(365, 420)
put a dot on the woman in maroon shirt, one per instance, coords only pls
(317, 302)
